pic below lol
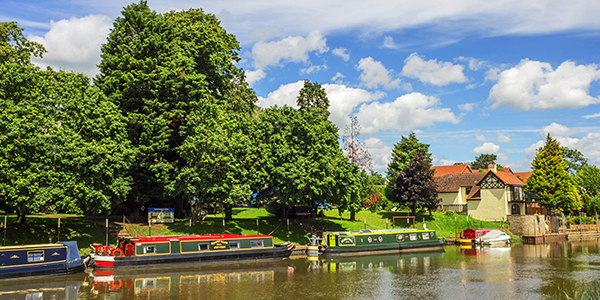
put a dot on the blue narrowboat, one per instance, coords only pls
(41, 259)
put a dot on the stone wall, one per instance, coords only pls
(527, 225)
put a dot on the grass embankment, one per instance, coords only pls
(86, 232)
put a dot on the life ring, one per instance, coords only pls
(117, 252)
(114, 286)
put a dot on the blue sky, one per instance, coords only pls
(468, 77)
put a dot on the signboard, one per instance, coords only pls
(161, 215)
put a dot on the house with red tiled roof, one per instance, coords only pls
(455, 169)
(490, 195)
(523, 176)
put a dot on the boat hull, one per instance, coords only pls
(40, 260)
(376, 242)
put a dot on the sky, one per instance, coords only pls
(467, 77)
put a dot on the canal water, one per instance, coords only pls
(517, 272)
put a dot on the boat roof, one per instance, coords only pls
(376, 231)
(196, 237)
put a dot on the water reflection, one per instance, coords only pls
(517, 272)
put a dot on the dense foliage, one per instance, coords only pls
(413, 187)
(550, 180)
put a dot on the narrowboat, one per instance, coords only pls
(380, 241)
(41, 259)
(142, 251)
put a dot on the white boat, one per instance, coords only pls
(493, 237)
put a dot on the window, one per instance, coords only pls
(35, 256)
(202, 246)
(425, 235)
(399, 237)
(515, 209)
(234, 245)
(347, 241)
(150, 249)
(413, 236)
(257, 244)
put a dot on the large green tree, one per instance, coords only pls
(158, 69)
(413, 187)
(587, 180)
(62, 145)
(404, 151)
(550, 180)
(574, 160)
(14, 47)
(482, 161)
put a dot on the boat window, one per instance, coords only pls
(35, 256)
(370, 240)
(380, 239)
(234, 245)
(425, 235)
(202, 246)
(150, 249)
(399, 237)
(257, 244)
(347, 241)
(413, 236)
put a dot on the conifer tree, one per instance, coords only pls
(404, 151)
(414, 187)
(550, 180)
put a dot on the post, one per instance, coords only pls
(58, 237)
(288, 229)
(580, 229)
(5, 223)
(597, 230)
(365, 223)
(563, 220)
(149, 227)
(257, 231)
(190, 225)
(223, 225)
(386, 223)
(106, 232)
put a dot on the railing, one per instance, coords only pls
(459, 208)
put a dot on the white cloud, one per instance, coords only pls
(467, 107)
(255, 76)
(338, 77)
(342, 99)
(265, 33)
(74, 44)
(341, 52)
(313, 69)
(591, 116)
(380, 153)
(432, 71)
(486, 148)
(374, 74)
(290, 49)
(481, 138)
(556, 130)
(473, 63)
(588, 145)
(503, 138)
(406, 113)
(441, 161)
(535, 85)
(388, 42)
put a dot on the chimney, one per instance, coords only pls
(492, 167)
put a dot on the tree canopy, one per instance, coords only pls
(404, 151)
(413, 186)
(353, 148)
(574, 160)
(482, 161)
(550, 180)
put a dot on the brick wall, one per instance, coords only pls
(527, 225)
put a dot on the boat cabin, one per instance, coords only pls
(28, 260)
(473, 233)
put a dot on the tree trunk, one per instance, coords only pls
(193, 211)
(284, 213)
(228, 213)
(21, 216)
(179, 208)
(353, 216)
(414, 209)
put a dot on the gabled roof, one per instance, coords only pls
(507, 178)
(451, 183)
(455, 169)
(523, 176)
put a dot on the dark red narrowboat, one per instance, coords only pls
(142, 251)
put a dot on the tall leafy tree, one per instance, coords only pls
(574, 160)
(62, 146)
(313, 98)
(482, 161)
(157, 69)
(550, 180)
(587, 180)
(14, 47)
(413, 186)
(404, 151)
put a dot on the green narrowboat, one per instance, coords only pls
(380, 241)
